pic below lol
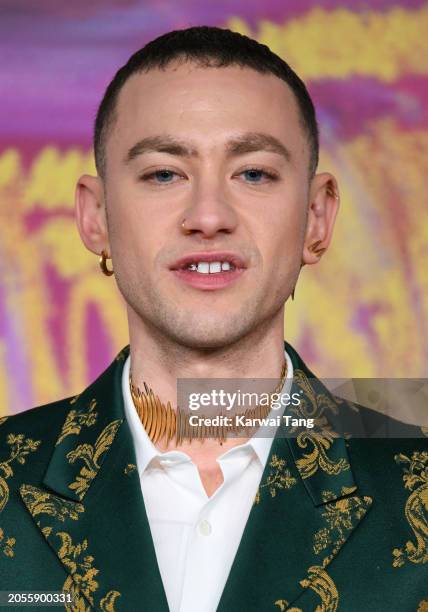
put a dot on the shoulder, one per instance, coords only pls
(28, 438)
(43, 420)
(368, 423)
(46, 425)
(394, 467)
(381, 425)
(345, 416)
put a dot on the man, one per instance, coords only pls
(208, 203)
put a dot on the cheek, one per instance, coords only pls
(136, 211)
(129, 233)
(283, 238)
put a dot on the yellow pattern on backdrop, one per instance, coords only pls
(49, 185)
(338, 43)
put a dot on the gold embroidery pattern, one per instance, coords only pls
(76, 419)
(107, 603)
(3, 420)
(20, 447)
(318, 458)
(282, 605)
(280, 478)
(317, 401)
(80, 566)
(321, 583)
(317, 405)
(74, 557)
(91, 455)
(340, 518)
(313, 405)
(423, 606)
(79, 602)
(416, 510)
(46, 531)
(131, 467)
(41, 502)
(7, 544)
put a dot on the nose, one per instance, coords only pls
(209, 212)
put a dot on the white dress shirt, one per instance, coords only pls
(196, 537)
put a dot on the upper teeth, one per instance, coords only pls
(206, 267)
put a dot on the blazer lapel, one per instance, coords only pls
(90, 509)
(306, 508)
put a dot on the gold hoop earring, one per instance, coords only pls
(186, 231)
(103, 263)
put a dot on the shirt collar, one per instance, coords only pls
(145, 450)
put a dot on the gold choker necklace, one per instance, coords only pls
(162, 421)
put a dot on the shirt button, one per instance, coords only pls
(205, 528)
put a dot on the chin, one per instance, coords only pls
(203, 334)
(205, 338)
(199, 328)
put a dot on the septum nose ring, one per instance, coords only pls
(186, 231)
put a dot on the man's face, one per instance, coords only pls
(218, 164)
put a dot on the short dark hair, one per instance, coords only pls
(208, 47)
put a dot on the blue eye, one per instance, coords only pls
(163, 176)
(160, 177)
(255, 174)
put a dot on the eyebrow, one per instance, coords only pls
(160, 144)
(257, 141)
(249, 142)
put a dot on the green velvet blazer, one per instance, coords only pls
(338, 523)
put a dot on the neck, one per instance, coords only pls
(159, 361)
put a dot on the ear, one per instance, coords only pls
(322, 211)
(91, 214)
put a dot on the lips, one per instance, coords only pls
(222, 256)
(208, 271)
